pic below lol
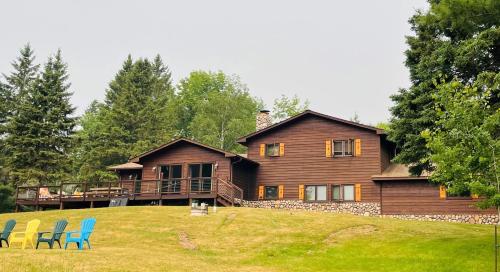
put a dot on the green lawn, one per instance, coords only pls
(245, 239)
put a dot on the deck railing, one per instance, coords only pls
(188, 187)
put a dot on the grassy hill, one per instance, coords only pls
(244, 239)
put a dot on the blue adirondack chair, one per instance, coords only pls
(84, 234)
(4, 235)
(56, 234)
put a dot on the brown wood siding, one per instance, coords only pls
(126, 174)
(244, 175)
(422, 197)
(305, 162)
(386, 154)
(185, 154)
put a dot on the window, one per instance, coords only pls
(201, 177)
(170, 176)
(343, 148)
(348, 192)
(273, 150)
(336, 192)
(271, 192)
(315, 193)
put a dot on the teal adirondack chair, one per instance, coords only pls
(4, 235)
(84, 234)
(56, 234)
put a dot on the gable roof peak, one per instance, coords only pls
(243, 139)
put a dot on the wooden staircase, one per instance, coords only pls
(228, 194)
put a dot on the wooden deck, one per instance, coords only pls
(91, 194)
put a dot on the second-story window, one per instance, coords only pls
(273, 150)
(343, 148)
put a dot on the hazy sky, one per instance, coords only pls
(344, 56)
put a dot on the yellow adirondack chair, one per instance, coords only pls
(27, 236)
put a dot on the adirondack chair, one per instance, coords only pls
(26, 236)
(4, 235)
(84, 234)
(56, 234)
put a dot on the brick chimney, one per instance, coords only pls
(263, 120)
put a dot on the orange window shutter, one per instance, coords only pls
(282, 149)
(442, 192)
(262, 150)
(281, 191)
(261, 192)
(357, 146)
(301, 192)
(357, 188)
(328, 148)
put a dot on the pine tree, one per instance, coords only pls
(17, 84)
(136, 115)
(39, 133)
(25, 72)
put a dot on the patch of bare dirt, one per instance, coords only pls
(350, 232)
(185, 242)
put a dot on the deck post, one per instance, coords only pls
(17, 208)
(84, 191)
(232, 194)
(61, 205)
(109, 191)
(91, 204)
(215, 205)
(37, 196)
(17, 195)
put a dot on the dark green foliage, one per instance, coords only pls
(40, 129)
(6, 198)
(454, 40)
(136, 116)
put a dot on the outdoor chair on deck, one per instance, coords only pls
(4, 235)
(84, 234)
(26, 236)
(44, 193)
(56, 234)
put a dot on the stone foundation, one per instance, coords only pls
(367, 209)
(358, 208)
(489, 219)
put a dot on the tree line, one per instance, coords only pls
(446, 123)
(43, 142)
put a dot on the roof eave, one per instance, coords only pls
(382, 178)
(243, 140)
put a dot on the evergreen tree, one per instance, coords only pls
(137, 115)
(39, 133)
(17, 84)
(454, 40)
(25, 72)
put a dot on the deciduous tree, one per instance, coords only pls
(453, 40)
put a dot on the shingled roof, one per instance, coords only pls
(244, 139)
(227, 154)
(396, 171)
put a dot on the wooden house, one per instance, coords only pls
(308, 158)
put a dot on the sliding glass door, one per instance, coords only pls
(170, 176)
(201, 177)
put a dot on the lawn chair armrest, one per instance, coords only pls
(72, 231)
(13, 234)
(41, 233)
